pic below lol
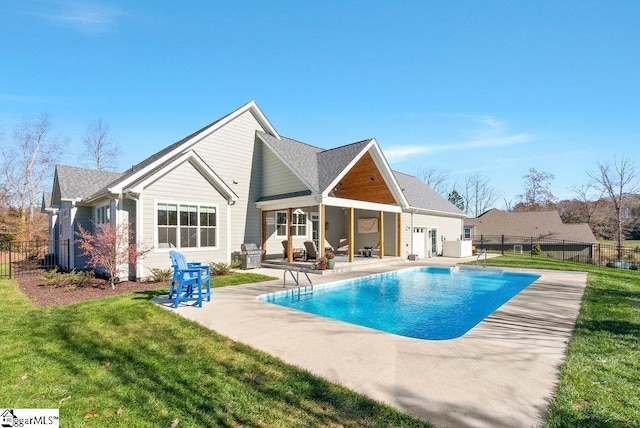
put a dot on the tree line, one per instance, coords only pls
(609, 200)
(29, 151)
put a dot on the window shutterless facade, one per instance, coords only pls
(186, 225)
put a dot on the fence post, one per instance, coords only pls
(481, 242)
(10, 264)
(502, 245)
(563, 251)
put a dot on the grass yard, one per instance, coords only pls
(123, 361)
(600, 377)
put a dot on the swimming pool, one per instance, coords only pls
(433, 303)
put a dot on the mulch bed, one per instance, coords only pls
(35, 288)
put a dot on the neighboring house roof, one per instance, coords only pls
(539, 224)
(78, 183)
(419, 195)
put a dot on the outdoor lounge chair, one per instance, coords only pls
(188, 279)
(312, 250)
(297, 252)
(343, 248)
(375, 252)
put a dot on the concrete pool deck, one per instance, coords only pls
(502, 373)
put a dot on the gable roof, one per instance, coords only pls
(300, 157)
(73, 183)
(545, 224)
(177, 149)
(320, 169)
(421, 196)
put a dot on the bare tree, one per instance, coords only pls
(478, 195)
(618, 182)
(100, 151)
(28, 161)
(589, 198)
(433, 178)
(537, 195)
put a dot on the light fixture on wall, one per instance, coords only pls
(298, 211)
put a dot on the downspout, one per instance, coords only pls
(230, 203)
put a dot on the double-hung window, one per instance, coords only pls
(168, 225)
(281, 223)
(187, 225)
(208, 226)
(298, 224)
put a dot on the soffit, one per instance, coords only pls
(364, 182)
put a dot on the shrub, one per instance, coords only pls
(73, 279)
(536, 250)
(329, 255)
(221, 268)
(161, 275)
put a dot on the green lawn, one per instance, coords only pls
(124, 361)
(600, 379)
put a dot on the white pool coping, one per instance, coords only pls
(502, 373)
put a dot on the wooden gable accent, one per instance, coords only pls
(364, 183)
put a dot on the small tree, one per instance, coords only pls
(537, 195)
(456, 199)
(110, 247)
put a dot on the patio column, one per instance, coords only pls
(381, 232)
(351, 233)
(399, 235)
(322, 231)
(264, 235)
(290, 235)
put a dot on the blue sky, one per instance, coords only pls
(466, 87)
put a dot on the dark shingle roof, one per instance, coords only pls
(76, 182)
(332, 162)
(300, 157)
(547, 224)
(419, 195)
(318, 167)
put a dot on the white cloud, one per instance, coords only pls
(89, 17)
(403, 152)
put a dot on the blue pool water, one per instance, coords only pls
(432, 303)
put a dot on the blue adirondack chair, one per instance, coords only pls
(188, 280)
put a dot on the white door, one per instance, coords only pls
(419, 247)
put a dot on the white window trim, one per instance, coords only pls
(294, 225)
(178, 204)
(286, 224)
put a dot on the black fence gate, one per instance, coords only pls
(26, 258)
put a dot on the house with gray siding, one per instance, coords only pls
(237, 180)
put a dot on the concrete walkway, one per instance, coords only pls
(502, 373)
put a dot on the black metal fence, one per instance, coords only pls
(564, 250)
(31, 257)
